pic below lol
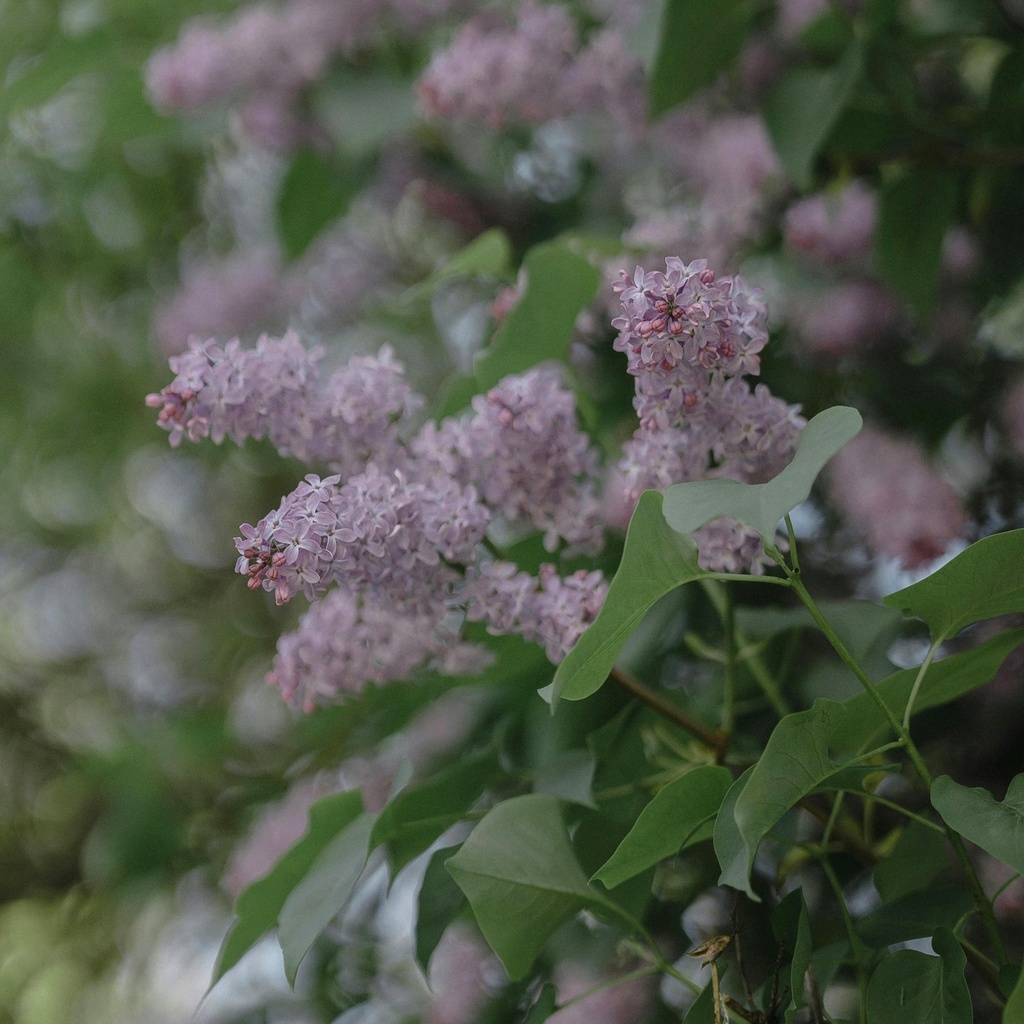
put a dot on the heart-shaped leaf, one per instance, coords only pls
(521, 878)
(689, 506)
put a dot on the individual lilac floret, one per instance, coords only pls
(524, 452)
(547, 609)
(888, 490)
(689, 338)
(833, 228)
(344, 642)
(379, 533)
(275, 391)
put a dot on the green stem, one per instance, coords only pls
(621, 979)
(981, 901)
(858, 948)
(729, 696)
(756, 666)
(715, 741)
(875, 798)
(919, 679)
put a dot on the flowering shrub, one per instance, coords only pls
(623, 672)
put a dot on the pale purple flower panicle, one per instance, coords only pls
(888, 490)
(378, 533)
(275, 391)
(546, 609)
(689, 338)
(525, 453)
(344, 642)
(501, 73)
(531, 71)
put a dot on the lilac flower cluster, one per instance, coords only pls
(531, 71)
(344, 642)
(887, 489)
(275, 391)
(272, 54)
(833, 228)
(523, 451)
(689, 338)
(547, 609)
(378, 533)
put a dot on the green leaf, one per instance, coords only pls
(916, 915)
(913, 988)
(914, 211)
(258, 907)
(538, 327)
(489, 254)
(679, 815)
(689, 506)
(803, 108)
(655, 560)
(415, 817)
(703, 1009)
(919, 857)
(795, 763)
(1013, 1012)
(545, 1005)
(695, 48)
(945, 680)
(730, 847)
(439, 902)
(984, 580)
(998, 828)
(318, 898)
(314, 192)
(521, 878)
(792, 928)
(569, 775)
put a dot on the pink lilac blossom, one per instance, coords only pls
(546, 609)
(524, 452)
(689, 338)
(889, 491)
(833, 229)
(344, 642)
(530, 71)
(275, 391)
(379, 533)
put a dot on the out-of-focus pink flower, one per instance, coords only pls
(836, 228)
(849, 317)
(464, 974)
(627, 1003)
(887, 489)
